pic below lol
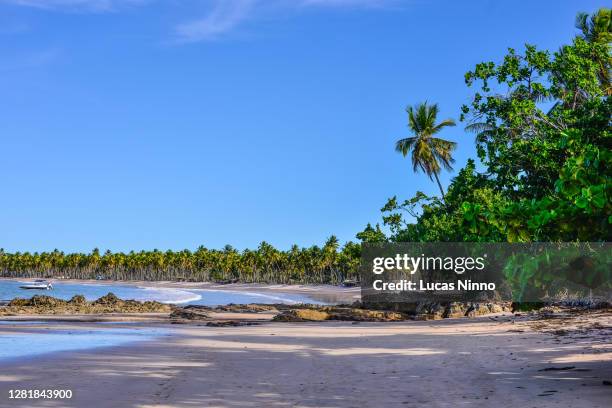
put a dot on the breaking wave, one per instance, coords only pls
(169, 295)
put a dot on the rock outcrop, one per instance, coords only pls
(42, 304)
(338, 313)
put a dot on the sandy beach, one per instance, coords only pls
(306, 204)
(487, 361)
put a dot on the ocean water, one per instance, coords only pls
(37, 341)
(207, 297)
(39, 337)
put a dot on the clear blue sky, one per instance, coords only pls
(141, 124)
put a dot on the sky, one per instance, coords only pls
(169, 124)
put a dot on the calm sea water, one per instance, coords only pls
(38, 341)
(41, 341)
(207, 297)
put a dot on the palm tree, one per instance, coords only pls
(598, 29)
(428, 152)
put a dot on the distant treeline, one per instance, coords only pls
(327, 264)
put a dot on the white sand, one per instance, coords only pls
(451, 363)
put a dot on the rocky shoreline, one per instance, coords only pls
(243, 314)
(354, 312)
(42, 304)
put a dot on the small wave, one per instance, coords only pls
(253, 294)
(170, 295)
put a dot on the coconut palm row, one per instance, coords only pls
(327, 264)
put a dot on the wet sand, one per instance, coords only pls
(481, 362)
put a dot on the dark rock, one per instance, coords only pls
(301, 315)
(230, 323)
(558, 368)
(189, 314)
(78, 300)
(41, 304)
(248, 308)
(339, 313)
(19, 302)
(108, 299)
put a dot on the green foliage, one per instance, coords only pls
(469, 199)
(532, 274)
(328, 264)
(551, 167)
(372, 235)
(542, 124)
(598, 29)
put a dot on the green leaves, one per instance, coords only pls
(542, 125)
(429, 153)
(592, 197)
(371, 234)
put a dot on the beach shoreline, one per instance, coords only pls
(324, 293)
(242, 358)
(483, 361)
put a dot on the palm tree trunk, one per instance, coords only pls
(440, 186)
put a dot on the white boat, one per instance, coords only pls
(39, 284)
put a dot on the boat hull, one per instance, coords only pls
(46, 287)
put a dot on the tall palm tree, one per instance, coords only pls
(429, 153)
